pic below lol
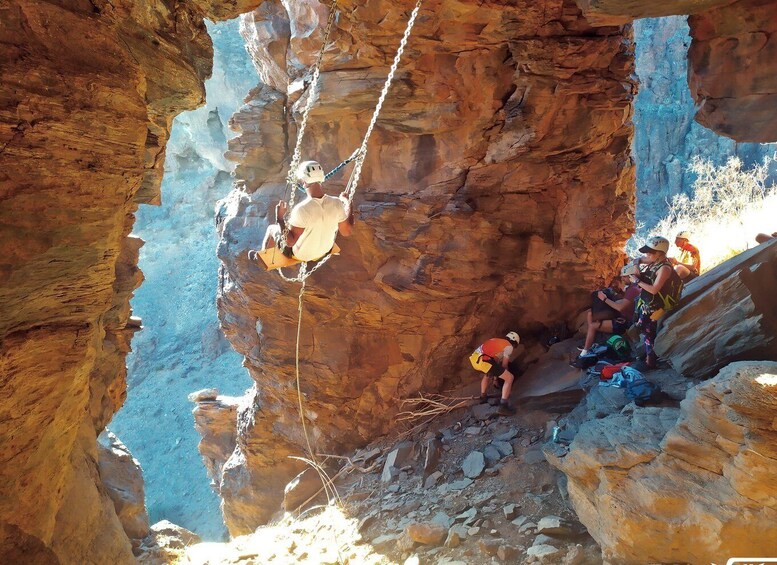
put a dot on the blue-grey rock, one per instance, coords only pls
(504, 447)
(491, 454)
(473, 465)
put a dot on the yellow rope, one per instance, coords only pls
(311, 454)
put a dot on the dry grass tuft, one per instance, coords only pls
(728, 207)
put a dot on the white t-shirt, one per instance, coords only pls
(319, 217)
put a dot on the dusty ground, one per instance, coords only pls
(495, 517)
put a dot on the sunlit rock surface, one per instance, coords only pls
(181, 348)
(729, 61)
(654, 487)
(666, 137)
(87, 96)
(499, 174)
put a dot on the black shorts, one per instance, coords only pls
(620, 325)
(496, 370)
(690, 277)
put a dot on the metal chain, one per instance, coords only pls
(357, 169)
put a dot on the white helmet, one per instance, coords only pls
(655, 243)
(310, 171)
(513, 336)
(683, 235)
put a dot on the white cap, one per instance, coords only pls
(683, 235)
(513, 336)
(310, 171)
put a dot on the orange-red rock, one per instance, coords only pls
(88, 92)
(499, 176)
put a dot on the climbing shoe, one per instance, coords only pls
(505, 409)
(483, 399)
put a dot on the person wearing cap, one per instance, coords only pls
(492, 358)
(623, 305)
(688, 264)
(313, 223)
(660, 289)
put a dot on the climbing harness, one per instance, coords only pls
(358, 155)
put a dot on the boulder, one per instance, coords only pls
(687, 484)
(555, 526)
(396, 459)
(727, 314)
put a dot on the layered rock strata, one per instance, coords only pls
(87, 95)
(729, 59)
(727, 315)
(689, 486)
(499, 174)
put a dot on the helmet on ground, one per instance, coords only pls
(513, 336)
(310, 171)
(655, 243)
(683, 235)
(630, 269)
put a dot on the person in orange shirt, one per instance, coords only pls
(688, 264)
(493, 358)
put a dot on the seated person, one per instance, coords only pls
(688, 264)
(313, 223)
(623, 305)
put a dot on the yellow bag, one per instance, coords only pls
(479, 363)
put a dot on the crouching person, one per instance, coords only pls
(493, 358)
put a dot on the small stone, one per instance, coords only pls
(483, 412)
(533, 456)
(527, 526)
(555, 526)
(543, 551)
(453, 539)
(427, 533)
(466, 517)
(525, 442)
(473, 431)
(460, 484)
(432, 479)
(492, 471)
(384, 540)
(412, 560)
(473, 465)
(393, 488)
(519, 521)
(443, 519)
(389, 474)
(398, 458)
(490, 546)
(510, 511)
(505, 449)
(535, 438)
(542, 539)
(507, 553)
(507, 436)
(491, 454)
(368, 456)
(473, 531)
(204, 394)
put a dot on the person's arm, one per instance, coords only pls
(294, 234)
(345, 228)
(661, 277)
(621, 305)
(506, 356)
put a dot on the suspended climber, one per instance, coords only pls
(313, 224)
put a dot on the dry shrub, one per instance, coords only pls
(728, 207)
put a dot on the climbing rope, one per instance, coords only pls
(359, 154)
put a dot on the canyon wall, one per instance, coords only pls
(181, 347)
(499, 174)
(88, 93)
(666, 137)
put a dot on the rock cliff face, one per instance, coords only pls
(729, 58)
(666, 137)
(88, 93)
(500, 173)
(689, 486)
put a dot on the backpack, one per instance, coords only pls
(481, 362)
(639, 389)
(607, 372)
(619, 347)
